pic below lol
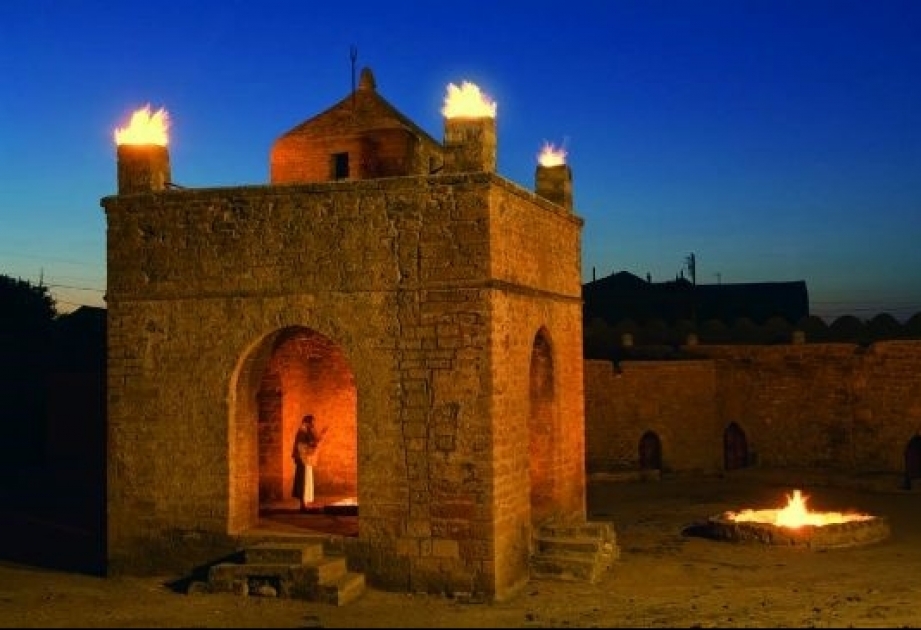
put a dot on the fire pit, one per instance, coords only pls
(345, 507)
(797, 526)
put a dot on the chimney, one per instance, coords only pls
(142, 168)
(554, 183)
(470, 145)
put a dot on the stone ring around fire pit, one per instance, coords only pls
(817, 537)
(797, 526)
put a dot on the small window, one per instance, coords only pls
(340, 165)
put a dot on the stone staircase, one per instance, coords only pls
(299, 570)
(574, 551)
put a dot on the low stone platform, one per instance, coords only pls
(299, 570)
(574, 551)
(831, 536)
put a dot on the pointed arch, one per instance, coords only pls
(913, 460)
(288, 373)
(650, 451)
(541, 426)
(735, 447)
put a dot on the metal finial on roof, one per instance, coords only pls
(353, 56)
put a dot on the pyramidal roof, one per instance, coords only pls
(362, 110)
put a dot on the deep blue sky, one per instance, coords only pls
(776, 140)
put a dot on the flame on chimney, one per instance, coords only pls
(551, 155)
(554, 177)
(467, 101)
(143, 158)
(145, 128)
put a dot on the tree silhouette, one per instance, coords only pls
(714, 331)
(814, 327)
(913, 326)
(846, 328)
(883, 326)
(598, 340)
(27, 315)
(777, 330)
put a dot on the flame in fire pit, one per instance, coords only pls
(551, 156)
(145, 128)
(346, 501)
(467, 101)
(795, 514)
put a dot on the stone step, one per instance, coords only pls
(570, 544)
(600, 530)
(301, 581)
(343, 590)
(283, 553)
(567, 566)
(574, 550)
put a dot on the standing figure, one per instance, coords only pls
(305, 458)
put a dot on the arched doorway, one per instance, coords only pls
(541, 428)
(650, 451)
(735, 447)
(912, 460)
(293, 372)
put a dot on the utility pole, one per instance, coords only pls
(691, 261)
(692, 271)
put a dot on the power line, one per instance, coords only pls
(51, 258)
(889, 302)
(67, 286)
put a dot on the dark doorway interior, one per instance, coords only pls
(912, 460)
(541, 429)
(650, 451)
(735, 447)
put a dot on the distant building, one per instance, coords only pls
(623, 295)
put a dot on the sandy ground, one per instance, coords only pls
(666, 575)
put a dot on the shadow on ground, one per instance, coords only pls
(56, 519)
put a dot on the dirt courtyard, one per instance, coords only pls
(666, 575)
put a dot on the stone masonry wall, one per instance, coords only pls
(675, 399)
(306, 157)
(395, 271)
(836, 406)
(198, 279)
(825, 405)
(535, 259)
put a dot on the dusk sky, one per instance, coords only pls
(777, 140)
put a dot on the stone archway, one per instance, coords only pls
(307, 373)
(650, 451)
(541, 429)
(289, 373)
(735, 447)
(912, 460)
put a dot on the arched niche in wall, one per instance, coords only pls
(735, 447)
(541, 427)
(650, 451)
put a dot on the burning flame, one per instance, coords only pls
(795, 514)
(467, 101)
(145, 128)
(551, 156)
